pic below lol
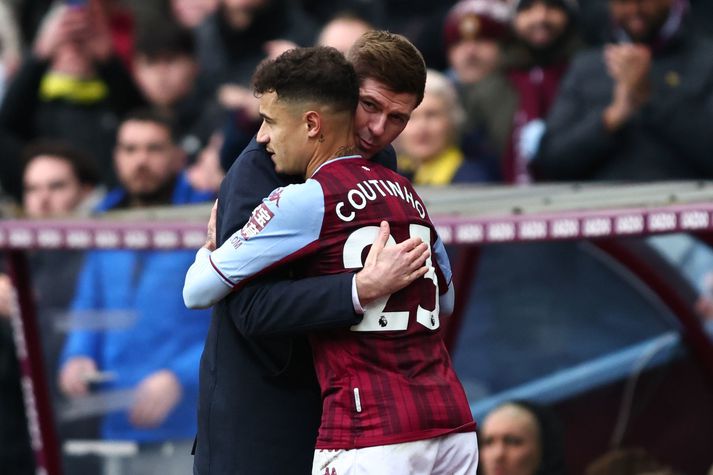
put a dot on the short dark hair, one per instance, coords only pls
(164, 39)
(390, 59)
(84, 168)
(148, 114)
(317, 74)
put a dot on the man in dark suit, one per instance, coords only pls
(260, 405)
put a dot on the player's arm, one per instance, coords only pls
(276, 304)
(285, 226)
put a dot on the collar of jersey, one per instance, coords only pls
(332, 160)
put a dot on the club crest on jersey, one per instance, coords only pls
(259, 219)
(275, 196)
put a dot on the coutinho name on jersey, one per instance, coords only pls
(369, 190)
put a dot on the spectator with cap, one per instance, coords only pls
(428, 149)
(473, 34)
(521, 438)
(639, 108)
(512, 102)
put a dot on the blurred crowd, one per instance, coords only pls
(519, 90)
(119, 104)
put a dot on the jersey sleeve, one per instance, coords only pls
(444, 272)
(284, 227)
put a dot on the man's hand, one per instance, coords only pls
(156, 396)
(210, 232)
(73, 376)
(57, 29)
(389, 269)
(235, 97)
(206, 173)
(97, 31)
(629, 65)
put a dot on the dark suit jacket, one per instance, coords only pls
(259, 406)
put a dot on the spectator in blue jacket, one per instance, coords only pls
(157, 357)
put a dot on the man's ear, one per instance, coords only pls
(313, 122)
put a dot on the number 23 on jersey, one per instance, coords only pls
(375, 318)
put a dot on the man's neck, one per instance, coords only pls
(341, 148)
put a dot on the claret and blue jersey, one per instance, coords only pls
(388, 379)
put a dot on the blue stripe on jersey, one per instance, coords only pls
(286, 222)
(442, 259)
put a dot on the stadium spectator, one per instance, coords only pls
(422, 22)
(156, 357)
(307, 99)
(637, 109)
(114, 14)
(429, 151)
(73, 87)
(58, 181)
(323, 11)
(191, 13)
(510, 104)
(166, 71)
(474, 31)
(230, 44)
(235, 38)
(521, 438)
(243, 122)
(258, 386)
(342, 31)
